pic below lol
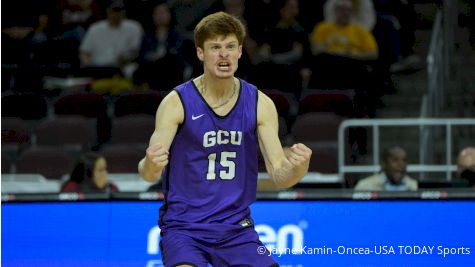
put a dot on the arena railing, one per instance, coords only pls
(439, 59)
(439, 66)
(377, 124)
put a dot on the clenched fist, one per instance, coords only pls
(156, 158)
(299, 155)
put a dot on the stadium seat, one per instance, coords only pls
(316, 127)
(339, 102)
(6, 163)
(132, 129)
(90, 105)
(71, 132)
(122, 158)
(283, 102)
(50, 162)
(324, 157)
(283, 129)
(137, 102)
(24, 106)
(16, 135)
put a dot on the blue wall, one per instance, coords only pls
(330, 233)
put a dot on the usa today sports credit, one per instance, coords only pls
(370, 250)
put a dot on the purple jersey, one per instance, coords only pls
(211, 178)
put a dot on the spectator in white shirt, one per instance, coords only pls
(113, 42)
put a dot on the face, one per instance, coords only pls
(100, 173)
(343, 12)
(161, 15)
(290, 9)
(220, 56)
(395, 166)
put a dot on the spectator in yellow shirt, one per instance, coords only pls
(342, 37)
(344, 57)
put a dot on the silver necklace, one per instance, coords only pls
(227, 100)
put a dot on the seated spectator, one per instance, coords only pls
(113, 42)
(466, 165)
(40, 40)
(89, 176)
(344, 54)
(393, 176)
(75, 17)
(283, 50)
(343, 37)
(161, 67)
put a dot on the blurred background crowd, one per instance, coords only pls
(88, 75)
(290, 46)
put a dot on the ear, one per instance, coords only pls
(200, 53)
(240, 51)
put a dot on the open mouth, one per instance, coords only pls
(224, 66)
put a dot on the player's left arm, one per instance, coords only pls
(285, 169)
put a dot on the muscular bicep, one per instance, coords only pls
(267, 130)
(169, 116)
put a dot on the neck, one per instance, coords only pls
(218, 92)
(216, 87)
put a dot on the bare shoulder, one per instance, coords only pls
(265, 107)
(172, 98)
(171, 107)
(263, 99)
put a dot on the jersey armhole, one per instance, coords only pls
(184, 110)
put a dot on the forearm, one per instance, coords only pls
(285, 166)
(148, 174)
(287, 175)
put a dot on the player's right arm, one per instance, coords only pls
(170, 115)
(285, 168)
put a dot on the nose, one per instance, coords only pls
(223, 53)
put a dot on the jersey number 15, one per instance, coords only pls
(226, 162)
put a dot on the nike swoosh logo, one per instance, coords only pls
(193, 117)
